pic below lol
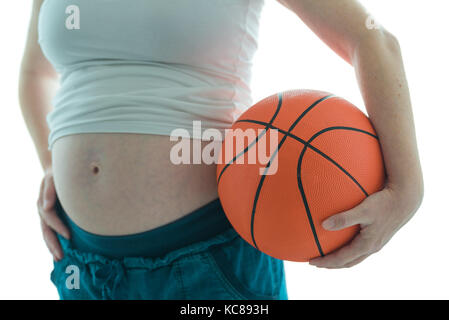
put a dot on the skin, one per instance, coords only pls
(109, 184)
(37, 84)
(376, 57)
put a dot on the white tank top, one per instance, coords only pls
(149, 66)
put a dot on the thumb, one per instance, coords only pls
(356, 215)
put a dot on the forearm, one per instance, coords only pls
(35, 93)
(381, 76)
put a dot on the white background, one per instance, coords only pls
(414, 263)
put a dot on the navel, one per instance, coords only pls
(95, 168)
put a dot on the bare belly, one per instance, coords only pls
(117, 184)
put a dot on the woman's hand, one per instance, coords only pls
(376, 57)
(380, 216)
(50, 221)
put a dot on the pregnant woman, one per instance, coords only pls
(103, 85)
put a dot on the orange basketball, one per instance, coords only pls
(326, 160)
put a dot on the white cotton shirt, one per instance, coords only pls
(148, 66)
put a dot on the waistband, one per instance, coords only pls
(199, 225)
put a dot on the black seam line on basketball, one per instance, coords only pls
(307, 144)
(259, 187)
(301, 187)
(270, 126)
(304, 201)
(257, 138)
(308, 109)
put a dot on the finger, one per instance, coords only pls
(355, 249)
(50, 215)
(356, 261)
(52, 220)
(49, 193)
(52, 242)
(352, 263)
(357, 215)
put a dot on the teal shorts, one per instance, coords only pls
(199, 256)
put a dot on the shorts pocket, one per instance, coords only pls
(247, 272)
(65, 277)
(73, 280)
(56, 272)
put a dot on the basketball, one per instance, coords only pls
(313, 155)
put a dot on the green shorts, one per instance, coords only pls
(199, 256)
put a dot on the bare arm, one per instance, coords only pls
(38, 80)
(376, 57)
